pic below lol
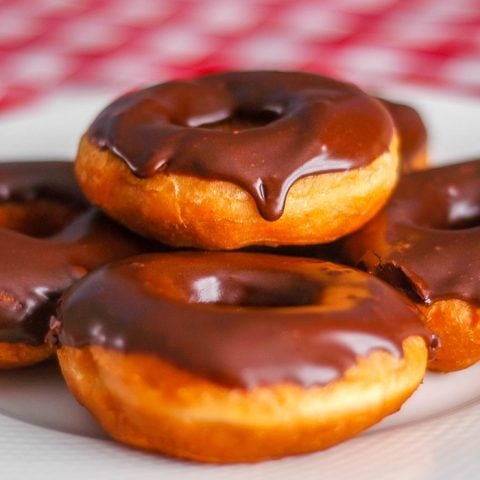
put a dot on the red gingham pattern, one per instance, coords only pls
(121, 44)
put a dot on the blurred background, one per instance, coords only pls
(116, 45)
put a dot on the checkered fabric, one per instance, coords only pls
(121, 44)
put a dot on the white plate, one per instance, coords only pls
(45, 433)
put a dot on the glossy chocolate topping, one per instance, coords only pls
(427, 239)
(35, 271)
(25, 181)
(259, 130)
(239, 319)
(412, 133)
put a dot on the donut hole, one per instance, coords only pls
(457, 211)
(243, 119)
(37, 218)
(256, 289)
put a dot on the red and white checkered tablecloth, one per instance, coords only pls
(120, 44)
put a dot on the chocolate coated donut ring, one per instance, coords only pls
(70, 238)
(237, 159)
(426, 243)
(235, 356)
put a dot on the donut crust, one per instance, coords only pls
(456, 323)
(146, 402)
(17, 355)
(419, 161)
(186, 211)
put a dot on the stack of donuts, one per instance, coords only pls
(165, 286)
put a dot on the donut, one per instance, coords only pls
(237, 357)
(425, 242)
(242, 158)
(49, 238)
(412, 135)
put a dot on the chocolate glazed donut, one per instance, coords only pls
(235, 159)
(425, 242)
(50, 239)
(237, 356)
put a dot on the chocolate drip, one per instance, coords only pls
(35, 271)
(239, 319)
(429, 234)
(259, 130)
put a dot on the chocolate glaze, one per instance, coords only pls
(239, 319)
(25, 181)
(260, 130)
(35, 271)
(427, 239)
(412, 133)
